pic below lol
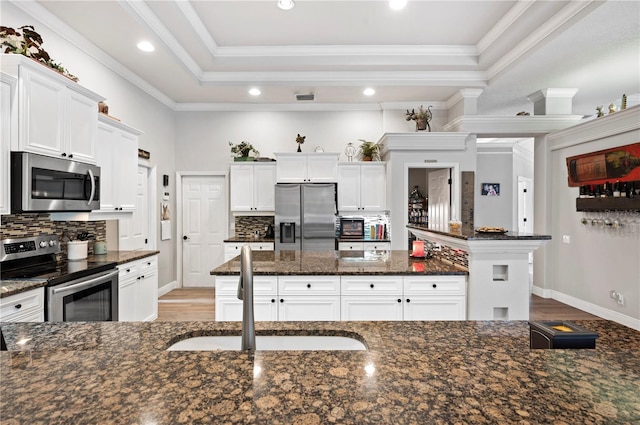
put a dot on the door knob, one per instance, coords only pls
(185, 237)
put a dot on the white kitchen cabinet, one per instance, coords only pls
(371, 297)
(117, 156)
(138, 290)
(307, 167)
(350, 246)
(434, 297)
(304, 308)
(56, 116)
(7, 132)
(362, 186)
(376, 246)
(232, 249)
(252, 187)
(25, 306)
(265, 293)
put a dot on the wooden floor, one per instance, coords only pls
(198, 304)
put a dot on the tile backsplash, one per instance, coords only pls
(246, 225)
(25, 225)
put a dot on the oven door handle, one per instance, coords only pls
(93, 187)
(87, 283)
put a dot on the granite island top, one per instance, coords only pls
(15, 286)
(473, 236)
(396, 262)
(249, 239)
(412, 373)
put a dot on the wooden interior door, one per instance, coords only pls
(439, 209)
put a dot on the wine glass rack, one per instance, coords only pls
(608, 204)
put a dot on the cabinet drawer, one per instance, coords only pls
(261, 246)
(305, 285)
(128, 271)
(262, 285)
(148, 265)
(350, 246)
(371, 285)
(435, 285)
(379, 246)
(22, 304)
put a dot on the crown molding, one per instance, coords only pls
(198, 26)
(421, 141)
(512, 126)
(552, 93)
(461, 95)
(507, 21)
(403, 105)
(541, 34)
(281, 107)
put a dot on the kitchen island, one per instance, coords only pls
(412, 373)
(345, 285)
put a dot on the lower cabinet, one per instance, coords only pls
(370, 298)
(232, 249)
(25, 306)
(364, 246)
(138, 290)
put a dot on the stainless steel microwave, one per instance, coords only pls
(45, 184)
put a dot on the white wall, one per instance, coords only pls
(126, 102)
(583, 272)
(494, 165)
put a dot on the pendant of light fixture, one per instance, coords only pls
(286, 4)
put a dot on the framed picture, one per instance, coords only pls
(490, 189)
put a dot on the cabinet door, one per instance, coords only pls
(434, 308)
(6, 118)
(127, 300)
(322, 168)
(23, 307)
(42, 113)
(264, 176)
(291, 169)
(348, 188)
(373, 186)
(371, 308)
(126, 159)
(81, 131)
(147, 290)
(314, 308)
(106, 137)
(241, 185)
(229, 308)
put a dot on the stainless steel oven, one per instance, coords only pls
(45, 184)
(93, 298)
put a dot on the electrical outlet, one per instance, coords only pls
(613, 294)
(566, 239)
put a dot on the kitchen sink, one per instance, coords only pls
(271, 343)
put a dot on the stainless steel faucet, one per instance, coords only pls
(245, 293)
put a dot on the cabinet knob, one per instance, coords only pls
(399, 300)
(308, 285)
(273, 300)
(128, 270)
(70, 155)
(18, 306)
(372, 285)
(281, 300)
(142, 277)
(434, 285)
(149, 263)
(115, 209)
(138, 278)
(408, 300)
(64, 154)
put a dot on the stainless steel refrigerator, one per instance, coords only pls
(305, 217)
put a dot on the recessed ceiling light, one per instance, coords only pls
(255, 91)
(286, 4)
(397, 4)
(146, 46)
(369, 91)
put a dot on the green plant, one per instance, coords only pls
(243, 149)
(29, 44)
(369, 150)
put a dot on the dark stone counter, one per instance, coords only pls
(509, 235)
(340, 263)
(413, 373)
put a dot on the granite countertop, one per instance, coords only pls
(412, 373)
(477, 236)
(362, 240)
(261, 239)
(340, 263)
(15, 286)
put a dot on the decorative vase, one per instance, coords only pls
(367, 158)
(421, 125)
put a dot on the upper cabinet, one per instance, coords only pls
(7, 130)
(117, 156)
(362, 186)
(307, 167)
(252, 187)
(56, 116)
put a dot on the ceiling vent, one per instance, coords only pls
(309, 96)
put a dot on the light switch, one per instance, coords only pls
(566, 239)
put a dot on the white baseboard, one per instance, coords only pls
(201, 285)
(594, 309)
(541, 292)
(167, 288)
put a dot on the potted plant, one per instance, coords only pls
(242, 151)
(369, 151)
(422, 117)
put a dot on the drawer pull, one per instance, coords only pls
(18, 306)
(273, 300)
(128, 270)
(435, 286)
(408, 300)
(308, 285)
(399, 300)
(281, 300)
(372, 285)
